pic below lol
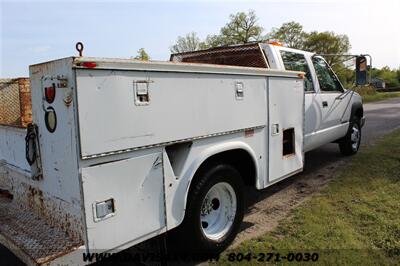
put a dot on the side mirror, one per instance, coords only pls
(361, 71)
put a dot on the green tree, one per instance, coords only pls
(290, 33)
(391, 77)
(242, 28)
(215, 41)
(398, 74)
(142, 55)
(293, 36)
(190, 42)
(345, 74)
(328, 42)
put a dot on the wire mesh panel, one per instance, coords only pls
(249, 55)
(15, 102)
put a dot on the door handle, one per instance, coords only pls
(324, 104)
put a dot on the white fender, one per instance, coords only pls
(176, 204)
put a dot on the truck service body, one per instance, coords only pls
(121, 151)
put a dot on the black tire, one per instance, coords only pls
(347, 145)
(189, 236)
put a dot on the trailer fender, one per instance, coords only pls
(177, 201)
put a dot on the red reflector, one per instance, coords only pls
(249, 133)
(89, 64)
(50, 93)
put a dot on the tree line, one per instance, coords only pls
(244, 27)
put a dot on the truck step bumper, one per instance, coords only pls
(30, 238)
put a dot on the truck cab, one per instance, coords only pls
(329, 107)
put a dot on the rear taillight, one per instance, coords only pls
(50, 93)
(89, 64)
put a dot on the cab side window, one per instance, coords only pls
(297, 62)
(326, 78)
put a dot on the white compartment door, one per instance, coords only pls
(173, 106)
(136, 188)
(286, 116)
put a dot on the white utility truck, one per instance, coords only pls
(120, 151)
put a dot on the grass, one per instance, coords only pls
(379, 96)
(354, 221)
(369, 94)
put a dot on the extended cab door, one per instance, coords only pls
(325, 99)
(331, 92)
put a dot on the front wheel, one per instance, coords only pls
(350, 144)
(214, 210)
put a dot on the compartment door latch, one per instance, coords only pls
(141, 92)
(239, 90)
(274, 129)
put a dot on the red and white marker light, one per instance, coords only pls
(50, 93)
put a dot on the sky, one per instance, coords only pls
(37, 31)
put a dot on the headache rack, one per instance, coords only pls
(248, 55)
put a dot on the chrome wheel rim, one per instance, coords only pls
(218, 211)
(355, 137)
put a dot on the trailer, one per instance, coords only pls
(120, 151)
